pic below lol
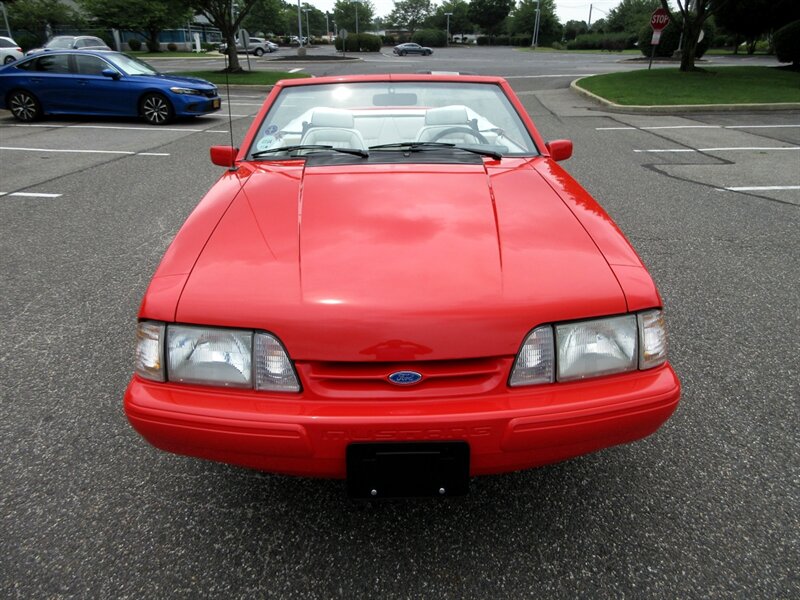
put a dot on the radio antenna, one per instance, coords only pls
(228, 93)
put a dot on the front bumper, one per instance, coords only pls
(517, 429)
(188, 104)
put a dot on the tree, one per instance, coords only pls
(35, 16)
(149, 17)
(751, 19)
(344, 13)
(630, 15)
(489, 14)
(523, 20)
(410, 14)
(694, 16)
(227, 16)
(459, 17)
(573, 29)
(268, 16)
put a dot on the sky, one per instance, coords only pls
(567, 10)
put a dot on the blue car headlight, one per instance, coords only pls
(189, 91)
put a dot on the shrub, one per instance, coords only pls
(557, 46)
(482, 40)
(430, 37)
(787, 44)
(135, 44)
(364, 42)
(613, 42)
(172, 47)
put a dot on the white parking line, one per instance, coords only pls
(154, 129)
(734, 149)
(630, 128)
(759, 188)
(30, 194)
(295, 70)
(84, 151)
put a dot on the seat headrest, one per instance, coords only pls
(447, 115)
(331, 117)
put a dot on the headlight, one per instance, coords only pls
(213, 356)
(209, 356)
(190, 91)
(597, 347)
(571, 351)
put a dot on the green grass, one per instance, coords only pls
(246, 78)
(718, 85)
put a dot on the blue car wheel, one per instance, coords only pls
(24, 106)
(156, 109)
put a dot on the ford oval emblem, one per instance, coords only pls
(405, 377)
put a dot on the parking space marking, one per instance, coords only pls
(154, 129)
(295, 70)
(759, 188)
(129, 153)
(650, 128)
(30, 194)
(732, 149)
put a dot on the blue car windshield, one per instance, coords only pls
(133, 66)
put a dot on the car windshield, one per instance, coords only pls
(133, 66)
(384, 117)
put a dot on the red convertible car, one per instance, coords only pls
(395, 284)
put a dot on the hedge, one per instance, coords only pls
(787, 44)
(603, 41)
(430, 37)
(363, 42)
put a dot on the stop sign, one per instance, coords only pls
(659, 19)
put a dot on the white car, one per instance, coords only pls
(9, 51)
(257, 46)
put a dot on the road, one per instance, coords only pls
(707, 507)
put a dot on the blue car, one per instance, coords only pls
(101, 83)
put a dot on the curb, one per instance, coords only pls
(678, 108)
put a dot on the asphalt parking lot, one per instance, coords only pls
(707, 507)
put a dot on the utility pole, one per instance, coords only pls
(447, 41)
(299, 24)
(589, 26)
(356, 18)
(535, 40)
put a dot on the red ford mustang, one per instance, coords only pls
(395, 284)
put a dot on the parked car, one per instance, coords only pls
(72, 42)
(296, 40)
(88, 82)
(412, 48)
(257, 46)
(394, 283)
(9, 51)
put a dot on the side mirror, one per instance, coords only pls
(110, 73)
(559, 149)
(224, 156)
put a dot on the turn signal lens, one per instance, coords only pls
(652, 339)
(535, 359)
(150, 350)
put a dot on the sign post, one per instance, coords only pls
(658, 21)
(343, 37)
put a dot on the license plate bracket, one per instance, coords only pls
(407, 469)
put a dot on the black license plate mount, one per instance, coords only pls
(407, 469)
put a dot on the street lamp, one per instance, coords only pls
(308, 29)
(356, 3)
(299, 25)
(535, 40)
(447, 41)
(327, 27)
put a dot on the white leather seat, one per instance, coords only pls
(438, 120)
(332, 127)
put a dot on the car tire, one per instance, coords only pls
(258, 52)
(24, 106)
(156, 109)
(9, 60)
(426, 53)
(403, 53)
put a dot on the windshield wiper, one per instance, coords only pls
(353, 151)
(423, 146)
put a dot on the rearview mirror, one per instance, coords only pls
(559, 149)
(224, 156)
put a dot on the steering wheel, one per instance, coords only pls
(459, 129)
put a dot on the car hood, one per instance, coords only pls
(398, 261)
(163, 78)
